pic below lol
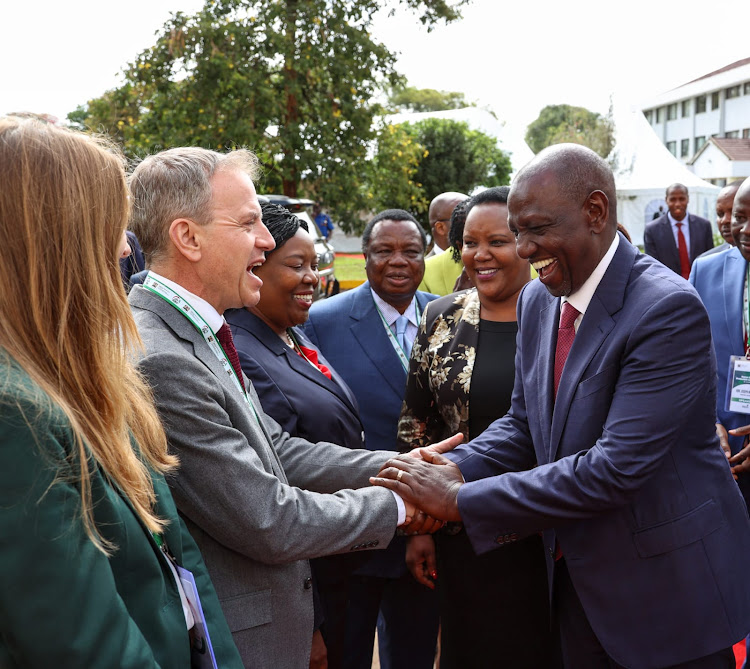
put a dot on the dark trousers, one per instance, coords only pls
(406, 616)
(581, 648)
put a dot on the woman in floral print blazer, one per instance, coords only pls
(461, 379)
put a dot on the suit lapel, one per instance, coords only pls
(368, 329)
(597, 323)
(734, 283)
(549, 320)
(184, 329)
(669, 244)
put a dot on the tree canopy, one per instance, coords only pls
(409, 98)
(456, 158)
(563, 123)
(293, 81)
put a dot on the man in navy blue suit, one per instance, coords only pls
(720, 281)
(614, 403)
(678, 238)
(366, 334)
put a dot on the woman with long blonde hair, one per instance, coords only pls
(92, 552)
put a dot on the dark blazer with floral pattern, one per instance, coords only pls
(442, 362)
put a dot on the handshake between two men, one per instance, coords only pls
(427, 482)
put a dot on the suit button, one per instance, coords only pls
(308, 583)
(551, 552)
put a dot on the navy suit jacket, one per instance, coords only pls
(658, 240)
(719, 280)
(630, 477)
(348, 330)
(300, 398)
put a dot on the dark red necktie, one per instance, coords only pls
(684, 257)
(565, 336)
(227, 343)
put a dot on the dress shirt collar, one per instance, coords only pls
(673, 221)
(582, 297)
(390, 313)
(212, 317)
(436, 250)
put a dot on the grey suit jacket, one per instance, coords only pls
(244, 488)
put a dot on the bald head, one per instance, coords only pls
(559, 209)
(440, 211)
(578, 170)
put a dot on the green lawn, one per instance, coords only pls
(350, 268)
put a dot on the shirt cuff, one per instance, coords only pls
(401, 509)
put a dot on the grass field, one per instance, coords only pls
(350, 270)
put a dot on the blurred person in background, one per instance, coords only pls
(460, 380)
(90, 540)
(442, 269)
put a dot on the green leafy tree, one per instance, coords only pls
(392, 171)
(414, 99)
(563, 123)
(457, 158)
(292, 80)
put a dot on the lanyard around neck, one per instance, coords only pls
(394, 342)
(188, 311)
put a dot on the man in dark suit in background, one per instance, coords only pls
(614, 402)
(366, 334)
(678, 238)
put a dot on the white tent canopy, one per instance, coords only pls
(644, 168)
(510, 139)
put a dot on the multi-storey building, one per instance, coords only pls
(714, 105)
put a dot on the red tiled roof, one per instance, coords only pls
(738, 63)
(734, 149)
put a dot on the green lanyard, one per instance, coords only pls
(188, 311)
(394, 342)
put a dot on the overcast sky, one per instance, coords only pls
(514, 57)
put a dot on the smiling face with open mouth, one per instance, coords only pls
(233, 244)
(560, 238)
(489, 254)
(290, 275)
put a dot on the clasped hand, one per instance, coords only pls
(427, 482)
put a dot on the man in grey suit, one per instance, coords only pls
(678, 238)
(249, 492)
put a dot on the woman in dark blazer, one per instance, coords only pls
(299, 389)
(86, 518)
(494, 608)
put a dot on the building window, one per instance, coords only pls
(684, 148)
(746, 88)
(700, 104)
(733, 135)
(715, 100)
(649, 115)
(672, 112)
(659, 114)
(685, 108)
(746, 133)
(699, 142)
(733, 92)
(672, 148)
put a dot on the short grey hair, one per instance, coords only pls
(177, 184)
